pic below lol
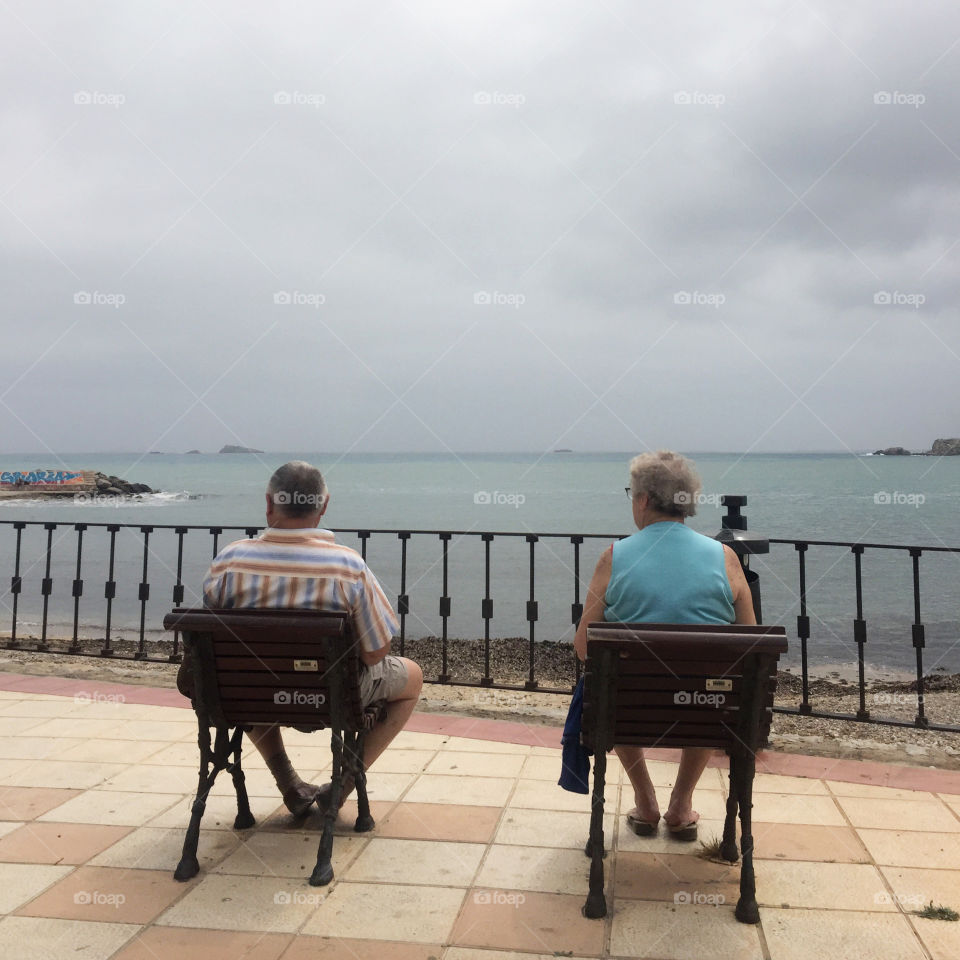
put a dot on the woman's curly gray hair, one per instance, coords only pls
(668, 479)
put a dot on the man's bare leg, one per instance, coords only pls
(297, 794)
(693, 762)
(398, 713)
(645, 807)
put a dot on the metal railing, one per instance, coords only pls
(62, 547)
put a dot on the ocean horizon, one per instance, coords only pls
(800, 495)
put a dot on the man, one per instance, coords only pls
(294, 564)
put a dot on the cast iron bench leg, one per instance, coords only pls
(747, 910)
(364, 822)
(323, 871)
(244, 817)
(728, 847)
(596, 905)
(189, 866)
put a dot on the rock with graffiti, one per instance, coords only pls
(22, 484)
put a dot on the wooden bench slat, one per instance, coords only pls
(265, 663)
(275, 680)
(222, 648)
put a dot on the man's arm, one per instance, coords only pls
(374, 621)
(595, 603)
(371, 657)
(742, 598)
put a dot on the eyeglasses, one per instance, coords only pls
(629, 493)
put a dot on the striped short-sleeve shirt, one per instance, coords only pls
(302, 568)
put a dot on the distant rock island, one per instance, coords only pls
(230, 448)
(946, 447)
(195, 451)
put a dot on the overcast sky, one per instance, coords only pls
(499, 226)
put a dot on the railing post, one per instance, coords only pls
(75, 647)
(803, 629)
(444, 612)
(215, 533)
(46, 588)
(532, 613)
(576, 608)
(110, 590)
(143, 593)
(918, 638)
(176, 656)
(403, 601)
(860, 634)
(486, 610)
(16, 585)
(364, 536)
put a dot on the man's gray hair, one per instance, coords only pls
(297, 489)
(668, 479)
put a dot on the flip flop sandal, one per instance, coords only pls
(685, 832)
(642, 828)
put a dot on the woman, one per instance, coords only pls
(665, 573)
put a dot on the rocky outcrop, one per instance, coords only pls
(949, 447)
(111, 486)
(230, 448)
(189, 452)
(892, 452)
(45, 484)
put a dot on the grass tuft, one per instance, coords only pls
(938, 912)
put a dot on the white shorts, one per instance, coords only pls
(383, 681)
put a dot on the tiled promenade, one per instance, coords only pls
(477, 854)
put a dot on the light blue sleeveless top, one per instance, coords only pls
(668, 573)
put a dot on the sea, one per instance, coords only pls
(860, 498)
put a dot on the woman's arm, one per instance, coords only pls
(742, 598)
(595, 602)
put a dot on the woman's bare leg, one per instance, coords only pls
(644, 795)
(693, 761)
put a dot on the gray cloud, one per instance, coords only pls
(503, 211)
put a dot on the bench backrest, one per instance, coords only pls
(676, 685)
(289, 667)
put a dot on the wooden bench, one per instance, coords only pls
(291, 668)
(668, 685)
